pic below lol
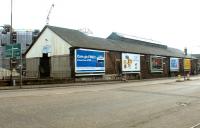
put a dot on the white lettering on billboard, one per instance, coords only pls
(89, 61)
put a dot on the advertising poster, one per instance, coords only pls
(89, 61)
(174, 64)
(187, 64)
(130, 62)
(156, 64)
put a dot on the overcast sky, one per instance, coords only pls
(175, 23)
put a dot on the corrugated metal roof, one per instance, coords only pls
(78, 39)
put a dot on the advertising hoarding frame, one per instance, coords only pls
(131, 63)
(90, 58)
(187, 64)
(174, 64)
(151, 64)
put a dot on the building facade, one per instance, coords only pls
(69, 54)
(197, 56)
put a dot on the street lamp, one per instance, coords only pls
(11, 42)
(11, 3)
(11, 21)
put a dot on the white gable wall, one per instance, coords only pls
(57, 45)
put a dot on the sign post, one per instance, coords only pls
(13, 51)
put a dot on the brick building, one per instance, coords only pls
(65, 53)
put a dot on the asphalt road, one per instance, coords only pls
(149, 104)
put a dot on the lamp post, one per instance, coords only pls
(14, 48)
(11, 22)
(11, 68)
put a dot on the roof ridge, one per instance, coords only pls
(128, 38)
(78, 39)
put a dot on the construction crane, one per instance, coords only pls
(47, 20)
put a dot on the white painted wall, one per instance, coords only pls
(48, 37)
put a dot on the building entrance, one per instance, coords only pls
(44, 66)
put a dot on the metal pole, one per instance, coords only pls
(11, 79)
(21, 82)
(11, 22)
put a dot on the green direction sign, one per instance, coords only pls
(13, 50)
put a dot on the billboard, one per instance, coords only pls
(89, 61)
(156, 63)
(130, 62)
(187, 64)
(174, 64)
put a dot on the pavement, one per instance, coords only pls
(157, 103)
(157, 80)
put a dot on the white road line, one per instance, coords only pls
(59, 93)
(195, 125)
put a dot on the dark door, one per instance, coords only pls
(118, 67)
(44, 66)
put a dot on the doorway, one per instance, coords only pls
(118, 67)
(44, 66)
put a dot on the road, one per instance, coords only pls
(147, 104)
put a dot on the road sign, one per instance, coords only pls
(13, 50)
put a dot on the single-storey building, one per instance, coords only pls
(197, 56)
(70, 54)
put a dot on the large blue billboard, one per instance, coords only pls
(89, 61)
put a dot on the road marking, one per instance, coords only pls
(195, 126)
(59, 93)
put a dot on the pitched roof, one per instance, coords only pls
(142, 46)
(114, 42)
(196, 55)
(78, 39)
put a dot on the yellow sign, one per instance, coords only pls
(187, 64)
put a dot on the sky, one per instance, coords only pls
(175, 23)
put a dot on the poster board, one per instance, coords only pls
(187, 64)
(89, 61)
(156, 64)
(130, 62)
(174, 64)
